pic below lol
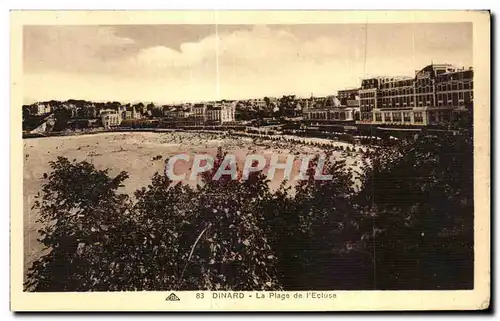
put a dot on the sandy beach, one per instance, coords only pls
(134, 153)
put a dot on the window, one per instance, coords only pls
(406, 117)
(433, 118)
(396, 117)
(366, 116)
(467, 96)
(378, 116)
(387, 117)
(418, 117)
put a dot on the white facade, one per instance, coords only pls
(218, 113)
(228, 112)
(43, 109)
(130, 115)
(110, 118)
(412, 116)
(332, 114)
(200, 112)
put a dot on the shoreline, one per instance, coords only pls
(285, 138)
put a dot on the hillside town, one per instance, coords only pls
(435, 97)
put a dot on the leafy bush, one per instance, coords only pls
(419, 202)
(408, 224)
(85, 226)
(172, 237)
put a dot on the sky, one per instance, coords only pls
(174, 63)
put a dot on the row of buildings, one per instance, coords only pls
(341, 108)
(114, 114)
(210, 113)
(206, 113)
(434, 95)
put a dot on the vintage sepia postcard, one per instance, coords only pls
(250, 160)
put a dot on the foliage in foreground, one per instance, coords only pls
(409, 226)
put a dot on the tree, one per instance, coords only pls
(26, 112)
(157, 112)
(268, 101)
(79, 103)
(113, 105)
(164, 220)
(139, 107)
(404, 222)
(62, 117)
(54, 103)
(233, 253)
(171, 237)
(418, 199)
(310, 231)
(287, 105)
(85, 229)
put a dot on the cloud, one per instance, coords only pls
(111, 63)
(190, 55)
(72, 48)
(261, 45)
